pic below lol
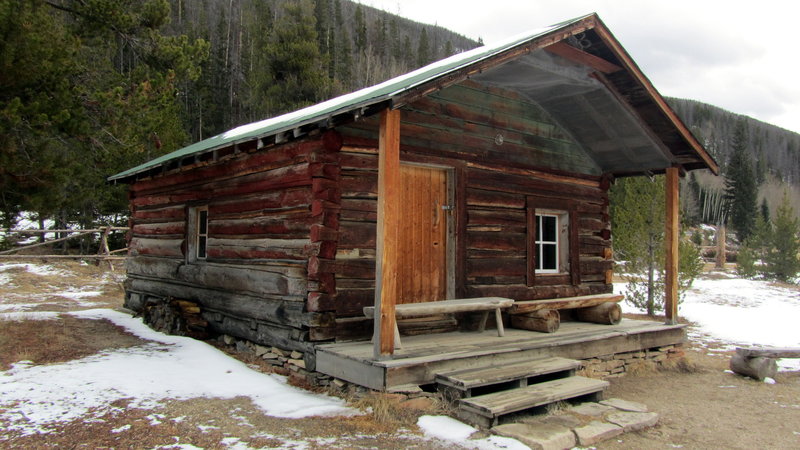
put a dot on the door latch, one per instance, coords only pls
(448, 207)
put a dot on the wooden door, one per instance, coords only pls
(422, 241)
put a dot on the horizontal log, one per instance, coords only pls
(522, 292)
(164, 214)
(277, 279)
(172, 248)
(564, 303)
(241, 164)
(496, 267)
(276, 179)
(267, 334)
(274, 310)
(496, 216)
(273, 200)
(259, 248)
(163, 228)
(769, 352)
(291, 225)
(608, 313)
(496, 240)
(351, 302)
(363, 185)
(757, 367)
(495, 199)
(545, 321)
(357, 234)
(490, 180)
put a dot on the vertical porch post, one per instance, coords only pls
(387, 233)
(671, 242)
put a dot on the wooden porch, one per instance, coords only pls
(423, 356)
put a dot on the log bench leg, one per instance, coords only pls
(482, 323)
(498, 317)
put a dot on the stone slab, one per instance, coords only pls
(624, 405)
(595, 432)
(591, 409)
(633, 421)
(540, 436)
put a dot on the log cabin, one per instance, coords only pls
(481, 176)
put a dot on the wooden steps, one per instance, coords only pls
(486, 394)
(465, 380)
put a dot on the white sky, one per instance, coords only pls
(739, 55)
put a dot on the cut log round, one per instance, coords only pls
(544, 320)
(606, 313)
(757, 368)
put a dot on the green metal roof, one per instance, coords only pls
(323, 112)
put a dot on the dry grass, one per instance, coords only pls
(52, 341)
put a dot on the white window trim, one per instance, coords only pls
(541, 243)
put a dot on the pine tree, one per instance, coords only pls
(740, 185)
(782, 260)
(423, 49)
(637, 223)
(360, 30)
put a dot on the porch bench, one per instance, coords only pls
(484, 304)
(544, 316)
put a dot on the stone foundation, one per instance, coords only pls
(618, 364)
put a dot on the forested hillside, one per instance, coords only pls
(90, 88)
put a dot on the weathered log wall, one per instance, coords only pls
(270, 212)
(494, 181)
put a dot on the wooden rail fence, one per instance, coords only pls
(104, 253)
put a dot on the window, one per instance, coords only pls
(553, 244)
(547, 243)
(197, 233)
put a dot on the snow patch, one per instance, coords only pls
(19, 316)
(31, 397)
(449, 429)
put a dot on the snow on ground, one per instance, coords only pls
(167, 367)
(449, 429)
(732, 312)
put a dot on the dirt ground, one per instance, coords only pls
(701, 405)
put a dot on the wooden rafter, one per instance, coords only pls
(573, 54)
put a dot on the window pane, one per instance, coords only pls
(548, 228)
(201, 247)
(549, 257)
(203, 222)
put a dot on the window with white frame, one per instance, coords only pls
(553, 247)
(547, 243)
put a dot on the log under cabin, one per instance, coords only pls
(485, 174)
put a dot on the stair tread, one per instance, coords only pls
(482, 376)
(505, 402)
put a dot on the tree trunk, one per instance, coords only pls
(651, 310)
(721, 257)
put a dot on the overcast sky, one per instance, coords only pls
(743, 56)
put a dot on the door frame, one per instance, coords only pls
(450, 249)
